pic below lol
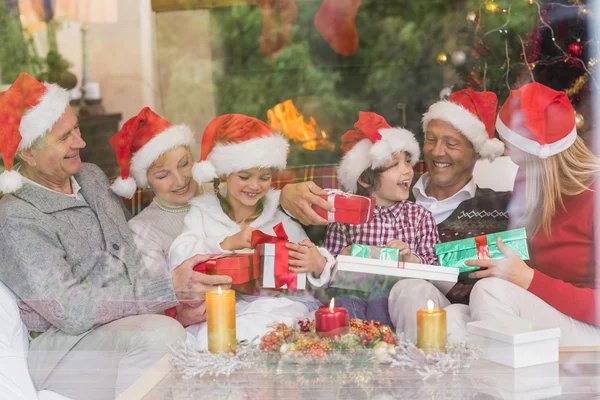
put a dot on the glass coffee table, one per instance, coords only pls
(575, 376)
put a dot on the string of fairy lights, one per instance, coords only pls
(575, 48)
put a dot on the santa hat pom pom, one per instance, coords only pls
(10, 181)
(124, 187)
(491, 149)
(204, 171)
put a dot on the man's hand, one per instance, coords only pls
(188, 315)
(239, 241)
(299, 197)
(190, 286)
(510, 268)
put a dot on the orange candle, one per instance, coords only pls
(220, 309)
(431, 328)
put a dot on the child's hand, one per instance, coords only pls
(307, 258)
(346, 251)
(239, 241)
(405, 254)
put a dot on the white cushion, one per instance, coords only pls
(15, 381)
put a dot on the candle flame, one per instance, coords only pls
(332, 304)
(430, 305)
(219, 291)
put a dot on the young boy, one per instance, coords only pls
(378, 161)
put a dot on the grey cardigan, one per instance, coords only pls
(73, 265)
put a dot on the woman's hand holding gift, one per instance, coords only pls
(308, 259)
(406, 254)
(510, 268)
(239, 241)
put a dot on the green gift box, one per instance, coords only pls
(454, 254)
(376, 252)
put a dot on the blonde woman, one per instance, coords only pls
(554, 200)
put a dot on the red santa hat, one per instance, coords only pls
(28, 110)
(235, 142)
(537, 120)
(139, 143)
(371, 145)
(473, 114)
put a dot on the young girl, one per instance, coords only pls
(378, 161)
(244, 152)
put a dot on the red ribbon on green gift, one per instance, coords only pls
(481, 244)
(283, 276)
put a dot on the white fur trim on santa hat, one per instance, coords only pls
(204, 171)
(394, 140)
(467, 124)
(176, 135)
(533, 147)
(365, 154)
(224, 159)
(10, 181)
(124, 187)
(40, 119)
(354, 162)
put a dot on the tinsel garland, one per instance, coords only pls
(356, 367)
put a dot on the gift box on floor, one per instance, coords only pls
(349, 208)
(514, 342)
(454, 254)
(274, 261)
(243, 269)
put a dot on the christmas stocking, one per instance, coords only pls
(278, 17)
(336, 22)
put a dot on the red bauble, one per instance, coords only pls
(575, 49)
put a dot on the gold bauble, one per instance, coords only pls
(579, 121)
(442, 58)
(471, 17)
(491, 6)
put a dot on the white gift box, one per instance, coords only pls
(514, 342)
(267, 255)
(364, 274)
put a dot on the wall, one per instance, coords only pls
(121, 57)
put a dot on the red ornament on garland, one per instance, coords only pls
(575, 49)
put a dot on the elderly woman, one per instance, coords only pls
(157, 155)
(554, 201)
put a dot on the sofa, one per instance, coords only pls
(15, 382)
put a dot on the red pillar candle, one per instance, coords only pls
(331, 321)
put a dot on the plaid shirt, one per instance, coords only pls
(404, 220)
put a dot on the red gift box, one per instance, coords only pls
(274, 255)
(243, 269)
(349, 208)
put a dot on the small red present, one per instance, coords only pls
(243, 269)
(349, 208)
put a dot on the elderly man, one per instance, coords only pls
(458, 132)
(70, 258)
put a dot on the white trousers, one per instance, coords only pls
(491, 298)
(107, 360)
